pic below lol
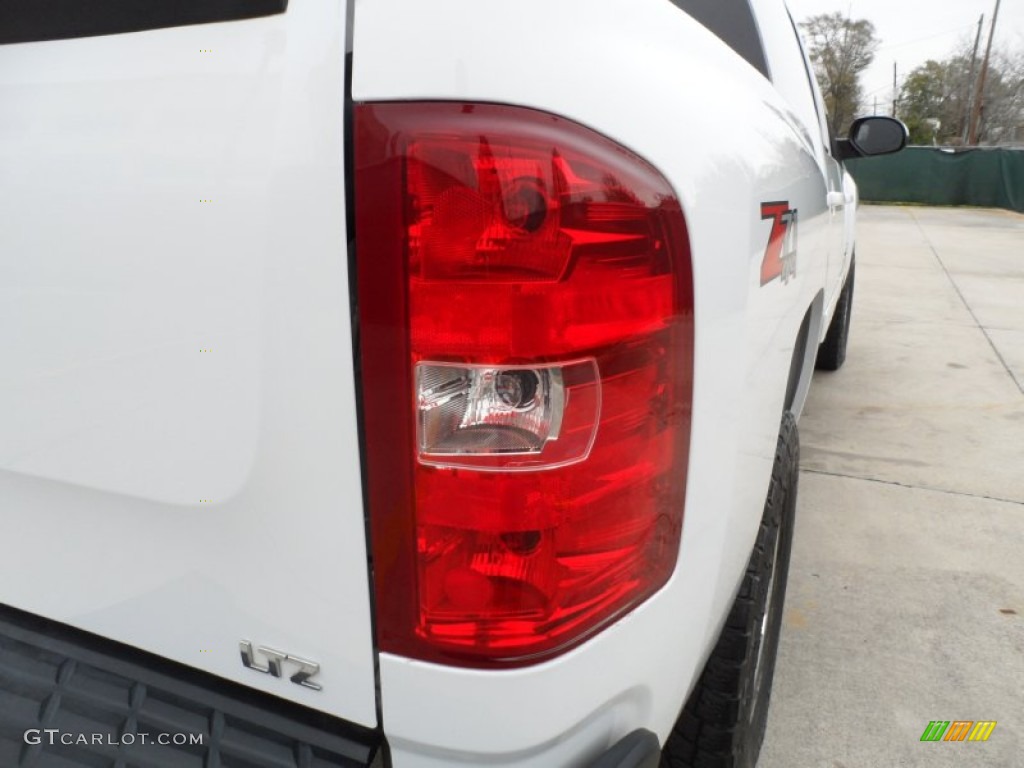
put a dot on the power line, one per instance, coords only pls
(886, 87)
(961, 28)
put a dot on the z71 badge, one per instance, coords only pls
(303, 670)
(780, 255)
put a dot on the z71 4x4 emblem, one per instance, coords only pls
(780, 255)
(303, 670)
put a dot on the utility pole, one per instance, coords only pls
(979, 96)
(969, 100)
(894, 91)
(875, 110)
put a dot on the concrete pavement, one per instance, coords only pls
(906, 593)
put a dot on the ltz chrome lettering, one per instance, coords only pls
(273, 662)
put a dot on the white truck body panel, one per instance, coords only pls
(724, 157)
(179, 455)
(178, 403)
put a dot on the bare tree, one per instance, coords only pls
(1002, 114)
(840, 49)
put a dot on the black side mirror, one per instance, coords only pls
(870, 136)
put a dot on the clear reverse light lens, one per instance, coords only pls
(477, 416)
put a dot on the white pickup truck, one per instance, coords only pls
(403, 383)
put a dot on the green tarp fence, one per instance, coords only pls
(992, 178)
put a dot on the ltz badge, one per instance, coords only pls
(274, 662)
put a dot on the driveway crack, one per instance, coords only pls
(956, 288)
(911, 486)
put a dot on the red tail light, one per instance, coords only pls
(526, 329)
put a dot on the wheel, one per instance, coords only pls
(722, 724)
(832, 351)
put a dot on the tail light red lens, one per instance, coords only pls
(526, 332)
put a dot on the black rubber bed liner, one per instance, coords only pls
(72, 699)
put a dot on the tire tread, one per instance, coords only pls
(832, 351)
(710, 731)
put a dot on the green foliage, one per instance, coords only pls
(840, 49)
(935, 99)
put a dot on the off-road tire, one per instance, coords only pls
(722, 724)
(832, 351)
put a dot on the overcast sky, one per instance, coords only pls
(913, 31)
